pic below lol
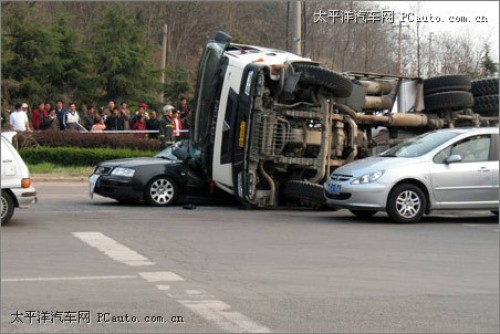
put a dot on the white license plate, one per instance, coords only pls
(335, 189)
(92, 182)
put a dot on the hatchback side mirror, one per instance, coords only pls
(453, 159)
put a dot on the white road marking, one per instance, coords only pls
(161, 276)
(74, 278)
(163, 287)
(193, 292)
(216, 311)
(113, 249)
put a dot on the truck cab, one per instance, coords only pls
(256, 126)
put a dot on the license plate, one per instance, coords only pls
(92, 182)
(335, 189)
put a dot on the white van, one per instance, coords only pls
(17, 191)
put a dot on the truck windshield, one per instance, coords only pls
(207, 71)
(418, 146)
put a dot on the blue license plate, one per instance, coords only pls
(335, 189)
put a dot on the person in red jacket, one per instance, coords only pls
(140, 124)
(36, 116)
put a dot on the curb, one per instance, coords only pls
(79, 179)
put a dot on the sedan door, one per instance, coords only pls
(469, 183)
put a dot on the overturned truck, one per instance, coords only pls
(269, 126)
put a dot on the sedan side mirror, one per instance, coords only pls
(453, 159)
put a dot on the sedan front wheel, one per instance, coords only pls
(161, 191)
(406, 203)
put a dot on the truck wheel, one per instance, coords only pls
(161, 191)
(363, 214)
(446, 83)
(406, 203)
(305, 193)
(317, 76)
(7, 207)
(486, 105)
(484, 87)
(448, 100)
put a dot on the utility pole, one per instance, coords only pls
(429, 61)
(400, 45)
(164, 58)
(296, 27)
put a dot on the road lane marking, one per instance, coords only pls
(193, 292)
(161, 276)
(216, 311)
(163, 287)
(74, 278)
(113, 249)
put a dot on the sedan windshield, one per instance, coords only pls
(167, 154)
(418, 146)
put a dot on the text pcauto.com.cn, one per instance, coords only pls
(389, 16)
(87, 317)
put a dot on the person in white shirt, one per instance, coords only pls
(72, 119)
(19, 119)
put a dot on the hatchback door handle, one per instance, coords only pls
(483, 169)
(6, 161)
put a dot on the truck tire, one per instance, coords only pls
(448, 100)
(447, 83)
(7, 207)
(484, 87)
(307, 194)
(486, 105)
(317, 76)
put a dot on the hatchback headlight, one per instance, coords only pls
(120, 171)
(368, 178)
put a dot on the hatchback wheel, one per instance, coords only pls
(161, 191)
(406, 203)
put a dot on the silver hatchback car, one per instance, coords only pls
(452, 169)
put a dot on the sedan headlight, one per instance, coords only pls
(368, 178)
(120, 171)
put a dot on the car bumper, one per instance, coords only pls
(371, 196)
(119, 188)
(25, 196)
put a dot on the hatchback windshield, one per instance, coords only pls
(418, 146)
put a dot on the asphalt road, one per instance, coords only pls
(72, 264)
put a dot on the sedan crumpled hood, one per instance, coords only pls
(373, 164)
(136, 162)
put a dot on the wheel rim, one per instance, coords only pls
(162, 191)
(408, 204)
(5, 207)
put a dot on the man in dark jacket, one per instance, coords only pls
(153, 123)
(115, 121)
(61, 113)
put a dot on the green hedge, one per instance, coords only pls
(74, 156)
(86, 139)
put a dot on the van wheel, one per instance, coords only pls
(161, 191)
(406, 203)
(7, 207)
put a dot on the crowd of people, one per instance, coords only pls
(171, 125)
